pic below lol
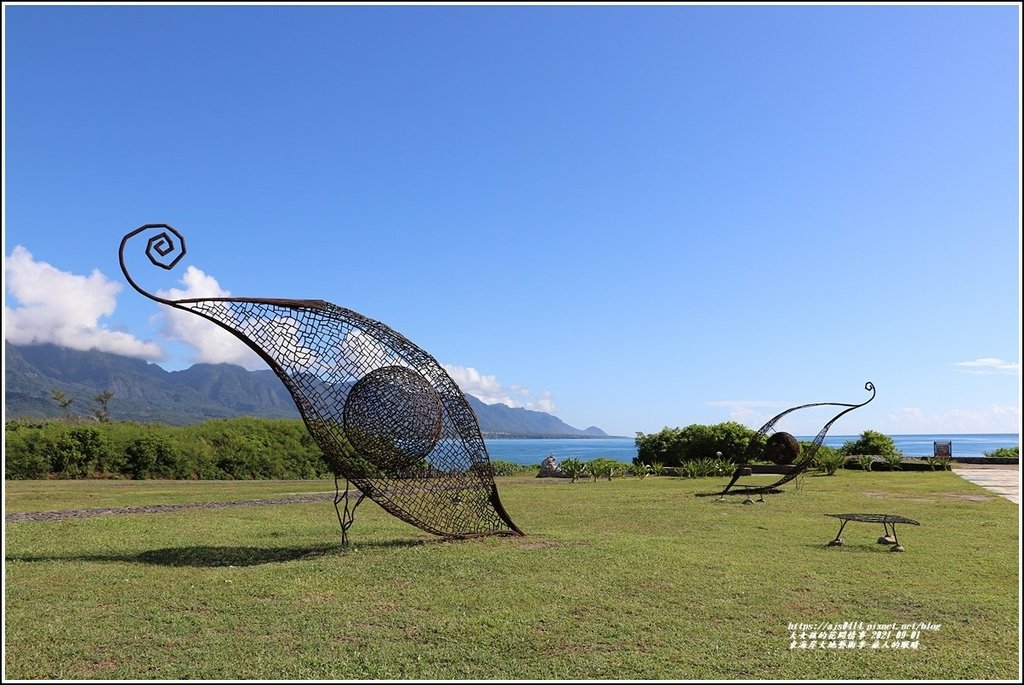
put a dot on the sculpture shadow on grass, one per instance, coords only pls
(210, 556)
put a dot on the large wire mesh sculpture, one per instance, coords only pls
(386, 416)
(783, 450)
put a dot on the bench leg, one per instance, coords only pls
(887, 539)
(838, 542)
(896, 547)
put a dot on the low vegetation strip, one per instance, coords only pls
(60, 515)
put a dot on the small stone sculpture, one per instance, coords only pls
(549, 468)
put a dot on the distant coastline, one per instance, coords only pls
(922, 444)
(533, 450)
(491, 435)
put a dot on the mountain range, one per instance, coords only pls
(146, 392)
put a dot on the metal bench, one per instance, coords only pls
(885, 519)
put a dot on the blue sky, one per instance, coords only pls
(631, 217)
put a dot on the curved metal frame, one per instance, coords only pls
(806, 457)
(419, 453)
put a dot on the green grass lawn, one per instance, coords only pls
(626, 579)
(53, 495)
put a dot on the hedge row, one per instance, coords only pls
(238, 448)
(222, 449)
(679, 446)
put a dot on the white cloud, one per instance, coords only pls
(64, 308)
(993, 419)
(489, 391)
(989, 365)
(752, 413)
(902, 421)
(284, 339)
(806, 421)
(741, 405)
(363, 353)
(545, 403)
(212, 344)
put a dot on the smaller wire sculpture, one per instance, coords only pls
(784, 450)
(385, 414)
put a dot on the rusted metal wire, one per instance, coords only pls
(782, 448)
(385, 414)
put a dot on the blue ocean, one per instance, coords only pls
(624, 449)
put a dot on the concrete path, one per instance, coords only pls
(1000, 479)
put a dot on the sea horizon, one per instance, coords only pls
(534, 450)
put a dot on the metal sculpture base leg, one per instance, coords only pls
(348, 517)
(750, 500)
(888, 538)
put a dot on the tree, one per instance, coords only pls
(102, 412)
(674, 446)
(63, 401)
(871, 442)
(79, 452)
(150, 456)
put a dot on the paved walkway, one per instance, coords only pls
(1002, 480)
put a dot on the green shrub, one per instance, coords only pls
(641, 471)
(1004, 453)
(864, 461)
(25, 465)
(829, 460)
(151, 456)
(79, 452)
(26, 451)
(500, 467)
(674, 446)
(941, 461)
(893, 461)
(871, 442)
(603, 467)
(248, 448)
(700, 468)
(723, 467)
(574, 468)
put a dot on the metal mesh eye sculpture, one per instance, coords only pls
(783, 450)
(386, 416)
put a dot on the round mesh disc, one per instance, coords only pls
(782, 448)
(393, 417)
